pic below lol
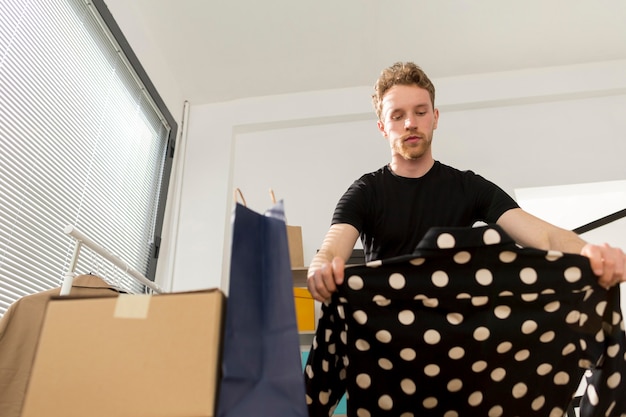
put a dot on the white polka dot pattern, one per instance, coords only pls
(445, 241)
(477, 327)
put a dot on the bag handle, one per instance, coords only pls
(237, 193)
(273, 198)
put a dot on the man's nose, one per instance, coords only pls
(410, 122)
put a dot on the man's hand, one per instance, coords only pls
(323, 281)
(607, 262)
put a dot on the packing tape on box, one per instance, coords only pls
(129, 306)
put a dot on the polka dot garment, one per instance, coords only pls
(470, 325)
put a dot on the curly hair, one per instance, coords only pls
(402, 73)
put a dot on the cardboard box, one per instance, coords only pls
(305, 309)
(131, 356)
(296, 250)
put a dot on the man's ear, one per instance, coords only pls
(381, 127)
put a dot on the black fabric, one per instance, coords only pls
(471, 325)
(393, 213)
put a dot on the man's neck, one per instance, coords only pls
(411, 168)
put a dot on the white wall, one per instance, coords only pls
(520, 129)
(128, 17)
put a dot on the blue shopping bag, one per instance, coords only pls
(261, 368)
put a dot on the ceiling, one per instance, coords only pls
(221, 50)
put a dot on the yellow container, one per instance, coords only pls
(305, 309)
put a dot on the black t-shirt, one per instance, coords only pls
(393, 213)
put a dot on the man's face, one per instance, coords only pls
(408, 121)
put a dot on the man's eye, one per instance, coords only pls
(420, 113)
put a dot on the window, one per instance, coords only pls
(85, 141)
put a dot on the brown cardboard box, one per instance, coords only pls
(131, 356)
(296, 251)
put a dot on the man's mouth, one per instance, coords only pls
(412, 138)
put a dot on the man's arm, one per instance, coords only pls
(326, 268)
(608, 263)
(531, 231)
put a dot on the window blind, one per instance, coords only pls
(82, 143)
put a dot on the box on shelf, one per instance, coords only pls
(296, 250)
(132, 355)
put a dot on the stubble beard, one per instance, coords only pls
(412, 152)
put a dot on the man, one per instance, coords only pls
(392, 208)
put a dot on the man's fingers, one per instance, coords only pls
(320, 283)
(614, 261)
(595, 258)
(338, 265)
(608, 263)
(323, 281)
(312, 284)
